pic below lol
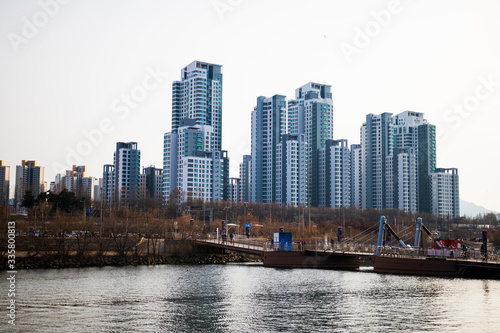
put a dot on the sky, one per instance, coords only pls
(78, 76)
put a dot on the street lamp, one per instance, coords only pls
(245, 212)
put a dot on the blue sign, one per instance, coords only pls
(285, 241)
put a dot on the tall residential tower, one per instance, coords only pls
(193, 161)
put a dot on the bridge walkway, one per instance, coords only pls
(233, 246)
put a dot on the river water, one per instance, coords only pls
(246, 298)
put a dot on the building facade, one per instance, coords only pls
(108, 184)
(153, 183)
(4, 184)
(311, 114)
(234, 190)
(29, 177)
(198, 96)
(268, 125)
(291, 171)
(401, 179)
(444, 184)
(377, 142)
(426, 165)
(121, 180)
(245, 172)
(193, 161)
(356, 176)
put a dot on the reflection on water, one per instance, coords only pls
(247, 298)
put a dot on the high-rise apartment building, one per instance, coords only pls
(108, 184)
(268, 125)
(401, 179)
(234, 189)
(398, 158)
(199, 171)
(412, 130)
(377, 142)
(153, 183)
(356, 176)
(121, 180)
(245, 171)
(334, 173)
(444, 184)
(88, 188)
(73, 180)
(127, 160)
(198, 96)
(29, 177)
(288, 171)
(169, 164)
(4, 184)
(311, 114)
(426, 165)
(291, 170)
(193, 161)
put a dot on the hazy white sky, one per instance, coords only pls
(67, 67)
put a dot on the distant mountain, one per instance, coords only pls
(470, 209)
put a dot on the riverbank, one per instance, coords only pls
(45, 252)
(74, 262)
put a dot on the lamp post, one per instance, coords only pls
(245, 212)
(226, 209)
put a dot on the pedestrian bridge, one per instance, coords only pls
(252, 248)
(365, 250)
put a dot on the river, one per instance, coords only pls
(245, 298)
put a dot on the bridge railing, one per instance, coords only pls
(471, 254)
(235, 243)
(322, 246)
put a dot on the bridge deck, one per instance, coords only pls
(233, 246)
(260, 249)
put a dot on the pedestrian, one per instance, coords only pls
(484, 252)
(231, 237)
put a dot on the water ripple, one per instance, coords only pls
(247, 298)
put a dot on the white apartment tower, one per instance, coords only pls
(376, 144)
(291, 170)
(356, 175)
(445, 192)
(268, 125)
(245, 171)
(192, 158)
(334, 172)
(311, 114)
(401, 179)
